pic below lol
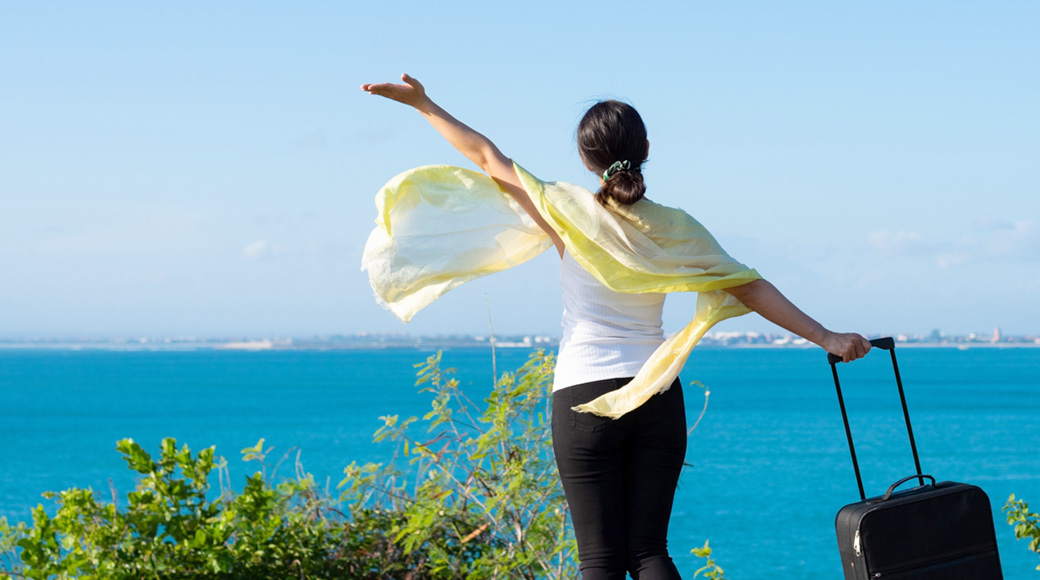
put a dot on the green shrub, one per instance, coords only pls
(479, 500)
(711, 570)
(171, 529)
(1027, 523)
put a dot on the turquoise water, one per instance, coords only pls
(769, 464)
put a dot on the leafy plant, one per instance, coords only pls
(1026, 523)
(481, 498)
(478, 499)
(711, 570)
(170, 529)
(9, 537)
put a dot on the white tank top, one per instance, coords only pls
(606, 334)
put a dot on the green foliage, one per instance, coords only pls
(170, 529)
(1027, 523)
(711, 570)
(9, 537)
(479, 499)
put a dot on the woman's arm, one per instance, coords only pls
(765, 299)
(476, 147)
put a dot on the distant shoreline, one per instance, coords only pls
(266, 346)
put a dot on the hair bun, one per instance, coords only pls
(625, 186)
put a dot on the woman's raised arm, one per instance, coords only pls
(765, 299)
(476, 147)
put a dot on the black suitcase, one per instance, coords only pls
(936, 531)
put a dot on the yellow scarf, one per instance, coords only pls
(440, 226)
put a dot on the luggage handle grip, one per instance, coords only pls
(885, 343)
(893, 487)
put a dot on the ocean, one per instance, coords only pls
(768, 464)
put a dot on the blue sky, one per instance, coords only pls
(209, 168)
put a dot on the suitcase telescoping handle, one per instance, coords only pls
(890, 345)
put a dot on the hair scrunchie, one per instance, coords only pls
(615, 167)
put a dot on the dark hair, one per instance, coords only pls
(613, 131)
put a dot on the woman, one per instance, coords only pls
(619, 471)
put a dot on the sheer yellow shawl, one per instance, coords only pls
(440, 226)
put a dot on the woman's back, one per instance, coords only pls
(606, 334)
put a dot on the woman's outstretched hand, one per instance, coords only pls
(412, 93)
(848, 345)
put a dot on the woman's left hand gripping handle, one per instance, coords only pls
(847, 345)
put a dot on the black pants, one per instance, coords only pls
(619, 477)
